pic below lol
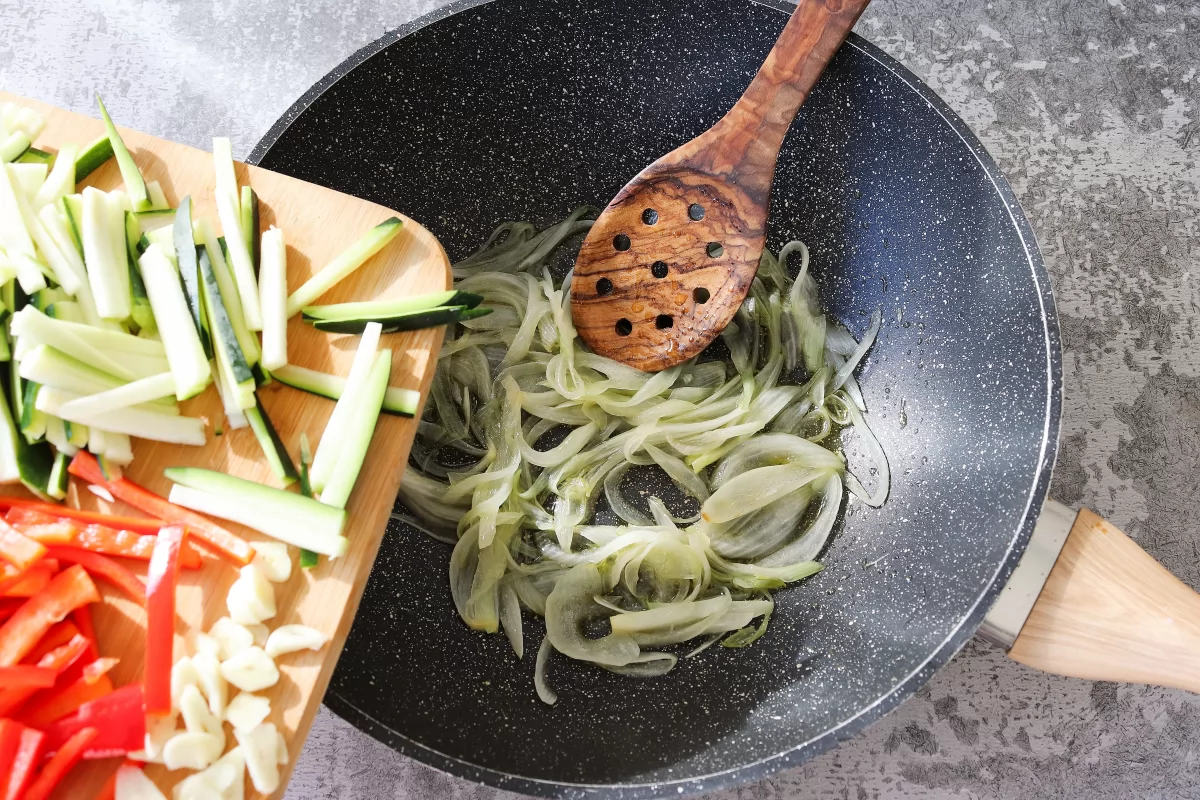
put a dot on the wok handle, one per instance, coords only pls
(1109, 611)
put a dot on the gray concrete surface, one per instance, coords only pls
(1092, 107)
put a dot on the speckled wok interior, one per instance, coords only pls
(523, 109)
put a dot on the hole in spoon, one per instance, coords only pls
(696, 211)
(621, 242)
(659, 269)
(714, 249)
(604, 286)
(650, 216)
(664, 321)
(700, 295)
(624, 327)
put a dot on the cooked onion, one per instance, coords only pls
(758, 446)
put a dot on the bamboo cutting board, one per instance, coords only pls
(317, 223)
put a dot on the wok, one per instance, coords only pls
(523, 109)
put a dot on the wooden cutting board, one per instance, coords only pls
(317, 223)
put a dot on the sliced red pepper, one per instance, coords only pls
(161, 580)
(69, 590)
(10, 738)
(9, 606)
(18, 549)
(120, 716)
(60, 764)
(58, 702)
(60, 659)
(25, 763)
(50, 532)
(19, 515)
(100, 518)
(25, 675)
(82, 617)
(59, 634)
(126, 544)
(101, 666)
(209, 535)
(104, 567)
(32, 581)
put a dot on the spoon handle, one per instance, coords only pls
(809, 40)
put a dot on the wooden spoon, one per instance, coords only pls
(670, 260)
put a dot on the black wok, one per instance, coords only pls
(523, 109)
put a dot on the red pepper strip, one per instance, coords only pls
(104, 567)
(109, 791)
(209, 535)
(56, 703)
(19, 515)
(69, 590)
(120, 717)
(50, 532)
(138, 524)
(18, 549)
(34, 580)
(126, 544)
(58, 635)
(10, 737)
(9, 606)
(25, 763)
(161, 580)
(60, 659)
(93, 671)
(60, 764)
(82, 617)
(24, 675)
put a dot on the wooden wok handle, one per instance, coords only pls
(1109, 611)
(814, 33)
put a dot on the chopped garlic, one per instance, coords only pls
(225, 779)
(290, 638)
(159, 730)
(259, 747)
(250, 670)
(208, 668)
(132, 784)
(197, 717)
(203, 643)
(274, 561)
(232, 637)
(183, 673)
(251, 599)
(247, 711)
(260, 633)
(192, 750)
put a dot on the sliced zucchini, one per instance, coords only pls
(230, 359)
(14, 237)
(249, 209)
(411, 321)
(52, 367)
(158, 200)
(217, 254)
(92, 157)
(34, 156)
(401, 402)
(104, 253)
(56, 434)
(131, 395)
(382, 309)
(272, 280)
(136, 421)
(291, 518)
(229, 212)
(333, 437)
(33, 421)
(34, 461)
(141, 312)
(153, 220)
(357, 433)
(135, 184)
(13, 146)
(10, 471)
(31, 327)
(272, 446)
(70, 270)
(59, 479)
(350, 259)
(185, 352)
(61, 180)
(189, 272)
(308, 559)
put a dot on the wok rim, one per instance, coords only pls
(796, 754)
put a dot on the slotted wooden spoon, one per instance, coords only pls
(670, 260)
